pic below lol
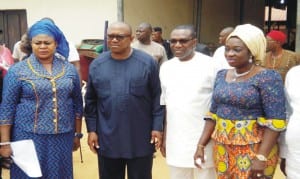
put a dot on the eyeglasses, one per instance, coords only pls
(117, 37)
(181, 41)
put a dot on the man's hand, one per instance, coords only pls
(156, 139)
(93, 142)
(163, 148)
(199, 156)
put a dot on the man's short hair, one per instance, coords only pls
(189, 27)
(157, 29)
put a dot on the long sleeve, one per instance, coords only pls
(90, 110)
(158, 110)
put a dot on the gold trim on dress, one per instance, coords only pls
(54, 90)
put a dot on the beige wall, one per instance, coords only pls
(81, 19)
(215, 16)
(164, 13)
(78, 19)
(218, 14)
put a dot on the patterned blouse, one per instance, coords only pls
(241, 109)
(39, 102)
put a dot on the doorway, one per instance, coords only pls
(281, 15)
(13, 23)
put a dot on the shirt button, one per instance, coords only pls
(54, 110)
(54, 89)
(54, 99)
(55, 120)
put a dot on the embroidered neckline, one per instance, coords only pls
(45, 76)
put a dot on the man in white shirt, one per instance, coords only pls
(74, 57)
(187, 84)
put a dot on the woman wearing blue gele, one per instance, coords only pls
(42, 101)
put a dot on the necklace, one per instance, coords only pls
(276, 60)
(238, 75)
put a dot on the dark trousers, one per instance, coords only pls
(137, 168)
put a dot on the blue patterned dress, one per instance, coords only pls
(43, 107)
(242, 110)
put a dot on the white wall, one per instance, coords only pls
(78, 19)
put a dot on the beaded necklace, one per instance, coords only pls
(238, 75)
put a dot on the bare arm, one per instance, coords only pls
(78, 124)
(163, 146)
(204, 139)
(268, 142)
(5, 149)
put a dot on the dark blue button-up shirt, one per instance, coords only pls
(122, 104)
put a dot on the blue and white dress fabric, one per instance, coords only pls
(43, 107)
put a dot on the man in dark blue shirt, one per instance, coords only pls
(123, 113)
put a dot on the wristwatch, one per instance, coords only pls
(79, 135)
(261, 158)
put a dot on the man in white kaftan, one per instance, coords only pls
(187, 83)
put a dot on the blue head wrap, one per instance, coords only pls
(45, 26)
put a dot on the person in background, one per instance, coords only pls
(157, 37)
(25, 46)
(144, 43)
(290, 147)
(22, 49)
(42, 101)
(247, 112)
(123, 116)
(219, 54)
(202, 48)
(18, 52)
(187, 83)
(278, 58)
(6, 61)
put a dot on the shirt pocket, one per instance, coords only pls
(104, 89)
(104, 98)
(138, 87)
